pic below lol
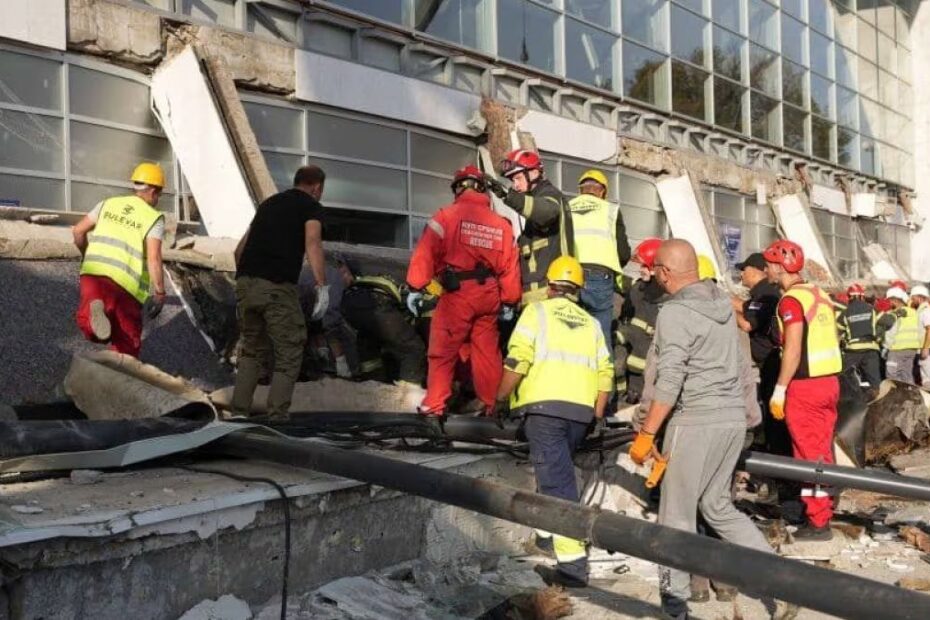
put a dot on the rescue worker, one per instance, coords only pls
(642, 305)
(601, 246)
(903, 339)
(808, 389)
(547, 232)
(557, 375)
(469, 250)
(698, 384)
(374, 307)
(286, 227)
(121, 239)
(920, 297)
(756, 317)
(858, 322)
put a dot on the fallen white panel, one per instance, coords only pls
(684, 216)
(798, 226)
(39, 22)
(349, 85)
(829, 198)
(567, 137)
(881, 265)
(194, 126)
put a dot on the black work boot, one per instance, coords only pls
(811, 533)
(555, 577)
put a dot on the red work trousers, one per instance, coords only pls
(466, 316)
(123, 310)
(810, 412)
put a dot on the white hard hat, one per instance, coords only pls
(896, 293)
(920, 290)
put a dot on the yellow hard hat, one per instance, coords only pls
(565, 269)
(706, 269)
(593, 175)
(148, 173)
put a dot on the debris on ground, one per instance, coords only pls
(86, 476)
(916, 537)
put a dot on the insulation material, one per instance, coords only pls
(798, 226)
(829, 198)
(685, 216)
(40, 22)
(567, 137)
(881, 265)
(349, 85)
(190, 117)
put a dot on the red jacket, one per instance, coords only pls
(463, 236)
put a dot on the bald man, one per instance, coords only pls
(698, 385)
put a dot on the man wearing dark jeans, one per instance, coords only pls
(286, 227)
(601, 247)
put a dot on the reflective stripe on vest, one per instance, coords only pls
(594, 223)
(116, 247)
(859, 323)
(635, 362)
(382, 284)
(822, 345)
(566, 347)
(907, 336)
(643, 325)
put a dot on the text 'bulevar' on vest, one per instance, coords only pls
(116, 247)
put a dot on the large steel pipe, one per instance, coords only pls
(786, 468)
(753, 572)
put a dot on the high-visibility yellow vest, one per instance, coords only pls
(821, 355)
(907, 336)
(116, 247)
(561, 351)
(594, 221)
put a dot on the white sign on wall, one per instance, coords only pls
(39, 22)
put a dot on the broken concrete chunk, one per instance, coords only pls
(914, 583)
(916, 537)
(86, 476)
(27, 510)
(226, 607)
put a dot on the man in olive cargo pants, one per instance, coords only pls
(286, 227)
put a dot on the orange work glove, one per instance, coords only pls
(642, 447)
(777, 402)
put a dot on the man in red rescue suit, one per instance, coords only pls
(807, 390)
(547, 231)
(469, 249)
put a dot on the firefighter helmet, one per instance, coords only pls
(786, 253)
(645, 252)
(469, 177)
(856, 289)
(520, 160)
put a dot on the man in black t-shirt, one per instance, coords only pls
(286, 227)
(756, 317)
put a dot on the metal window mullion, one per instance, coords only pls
(353, 160)
(66, 129)
(35, 174)
(26, 109)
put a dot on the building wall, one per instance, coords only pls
(75, 137)
(920, 260)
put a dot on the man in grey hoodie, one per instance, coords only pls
(698, 384)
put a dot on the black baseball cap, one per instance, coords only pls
(753, 260)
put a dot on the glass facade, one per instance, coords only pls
(383, 179)
(72, 130)
(828, 79)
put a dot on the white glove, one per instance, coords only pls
(777, 402)
(322, 302)
(342, 368)
(414, 299)
(507, 313)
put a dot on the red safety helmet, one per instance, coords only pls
(901, 284)
(786, 253)
(882, 305)
(856, 289)
(645, 252)
(520, 160)
(469, 177)
(842, 298)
